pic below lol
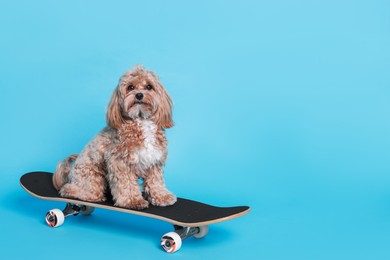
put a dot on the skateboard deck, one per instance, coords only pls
(189, 217)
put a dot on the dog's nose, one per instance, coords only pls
(139, 96)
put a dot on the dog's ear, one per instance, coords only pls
(114, 116)
(163, 115)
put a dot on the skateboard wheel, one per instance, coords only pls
(86, 210)
(55, 218)
(171, 242)
(203, 230)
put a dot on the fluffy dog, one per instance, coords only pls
(133, 146)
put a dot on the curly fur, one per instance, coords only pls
(133, 146)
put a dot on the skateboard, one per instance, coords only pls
(189, 218)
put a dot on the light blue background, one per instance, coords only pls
(280, 105)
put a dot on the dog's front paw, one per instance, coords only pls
(139, 204)
(162, 199)
(134, 203)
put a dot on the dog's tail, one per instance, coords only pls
(60, 176)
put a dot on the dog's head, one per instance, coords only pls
(140, 94)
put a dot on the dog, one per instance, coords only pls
(131, 147)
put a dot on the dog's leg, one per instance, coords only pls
(124, 185)
(155, 188)
(86, 184)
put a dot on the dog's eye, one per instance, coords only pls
(149, 87)
(130, 87)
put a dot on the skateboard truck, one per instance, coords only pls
(56, 217)
(172, 241)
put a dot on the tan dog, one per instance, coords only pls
(132, 146)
